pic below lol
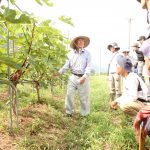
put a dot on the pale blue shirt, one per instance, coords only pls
(145, 48)
(78, 63)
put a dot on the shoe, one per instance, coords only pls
(68, 115)
(85, 116)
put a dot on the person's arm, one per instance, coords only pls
(114, 104)
(145, 49)
(87, 69)
(65, 67)
(132, 87)
(88, 66)
(142, 115)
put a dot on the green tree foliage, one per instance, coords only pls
(36, 49)
(66, 20)
(40, 2)
(44, 1)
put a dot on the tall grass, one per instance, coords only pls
(44, 125)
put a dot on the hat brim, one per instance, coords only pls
(135, 46)
(109, 46)
(141, 38)
(125, 51)
(143, 3)
(85, 38)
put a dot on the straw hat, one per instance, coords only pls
(85, 38)
(143, 3)
(135, 45)
(141, 38)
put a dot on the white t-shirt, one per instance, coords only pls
(131, 92)
(113, 62)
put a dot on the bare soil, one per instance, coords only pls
(9, 141)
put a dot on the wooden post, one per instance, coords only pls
(141, 139)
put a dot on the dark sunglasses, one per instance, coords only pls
(125, 52)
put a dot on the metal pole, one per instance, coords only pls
(14, 92)
(129, 20)
(10, 89)
(100, 62)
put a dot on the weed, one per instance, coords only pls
(46, 128)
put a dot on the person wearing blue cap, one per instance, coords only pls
(134, 95)
(114, 80)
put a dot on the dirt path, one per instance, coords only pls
(7, 142)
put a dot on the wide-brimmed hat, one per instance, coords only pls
(143, 4)
(124, 63)
(85, 38)
(141, 38)
(135, 45)
(114, 45)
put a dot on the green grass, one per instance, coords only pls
(43, 125)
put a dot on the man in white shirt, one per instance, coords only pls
(114, 80)
(79, 63)
(134, 96)
(138, 59)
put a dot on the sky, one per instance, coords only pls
(103, 21)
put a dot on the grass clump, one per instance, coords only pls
(44, 126)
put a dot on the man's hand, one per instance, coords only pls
(114, 105)
(56, 74)
(136, 125)
(82, 80)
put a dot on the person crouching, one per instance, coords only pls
(134, 95)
